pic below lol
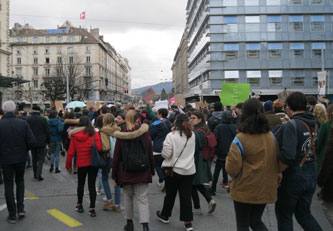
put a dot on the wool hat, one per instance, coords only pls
(268, 105)
(227, 117)
(36, 108)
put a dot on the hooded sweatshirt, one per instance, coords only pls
(56, 128)
(214, 120)
(80, 144)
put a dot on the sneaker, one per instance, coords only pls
(21, 214)
(98, 191)
(117, 208)
(57, 170)
(188, 226)
(40, 178)
(11, 219)
(79, 208)
(196, 211)
(92, 212)
(225, 185)
(108, 205)
(162, 218)
(51, 169)
(211, 206)
(105, 199)
(221, 184)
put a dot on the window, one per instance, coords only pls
(317, 23)
(47, 60)
(70, 50)
(18, 60)
(35, 71)
(297, 50)
(88, 59)
(231, 74)
(231, 24)
(35, 83)
(273, 2)
(295, 2)
(59, 60)
(316, 2)
(59, 72)
(297, 81)
(275, 78)
(253, 78)
(47, 51)
(19, 72)
(71, 39)
(59, 39)
(88, 71)
(231, 51)
(59, 51)
(71, 71)
(274, 23)
(252, 23)
(251, 2)
(35, 60)
(106, 82)
(275, 50)
(295, 23)
(229, 3)
(317, 50)
(88, 49)
(35, 52)
(47, 39)
(47, 72)
(35, 40)
(315, 80)
(71, 59)
(253, 50)
(18, 52)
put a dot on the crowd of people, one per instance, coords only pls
(269, 152)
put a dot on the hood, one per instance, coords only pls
(227, 117)
(137, 132)
(80, 135)
(75, 130)
(108, 130)
(72, 121)
(307, 117)
(217, 114)
(53, 122)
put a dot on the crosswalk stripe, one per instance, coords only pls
(64, 218)
(30, 196)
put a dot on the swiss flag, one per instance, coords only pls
(83, 15)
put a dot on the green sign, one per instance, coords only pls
(234, 93)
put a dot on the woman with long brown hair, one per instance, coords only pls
(178, 153)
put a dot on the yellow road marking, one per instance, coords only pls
(30, 196)
(64, 218)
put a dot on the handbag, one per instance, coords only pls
(168, 171)
(96, 160)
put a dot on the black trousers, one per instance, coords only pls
(38, 158)
(9, 173)
(249, 215)
(220, 164)
(82, 172)
(183, 185)
(195, 196)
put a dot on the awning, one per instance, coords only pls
(8, 81)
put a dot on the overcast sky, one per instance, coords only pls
(147, 32)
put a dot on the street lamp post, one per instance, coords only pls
(67, 88)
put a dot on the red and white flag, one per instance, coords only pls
(83, 15)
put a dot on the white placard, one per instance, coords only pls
(161, 104)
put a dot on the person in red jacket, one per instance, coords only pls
(81, 141)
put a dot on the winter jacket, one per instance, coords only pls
(172, 115)
(56, 127)
(254, 167)
(158, 131)
(296, 142)
(40, 129)
(224, 133)
(323, 135)
(80, 144)
(69, 124)
(16, 138)
(119, 174)
(150, 114)
(203, 173)
(173, 146)
(214, 120)
(105, 134)
(273, 119)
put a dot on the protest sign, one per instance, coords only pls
(59, 106)
(322, 83)
(284, 94)
(91, 104)
(234, 93)
(179, 99)
(161, 104)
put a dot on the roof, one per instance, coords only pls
(8, 81)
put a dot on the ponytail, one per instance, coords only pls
(183, 126)
(187, 129)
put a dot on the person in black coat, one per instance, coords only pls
(16, 138)
(40, 129)
(224, 133)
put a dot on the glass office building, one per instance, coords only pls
(271, 44)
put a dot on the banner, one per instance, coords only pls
(234, 93)
(322, 83)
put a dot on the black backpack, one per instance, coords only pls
(135, 156)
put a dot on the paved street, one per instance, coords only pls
(56, 196)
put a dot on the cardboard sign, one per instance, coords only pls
(161, 104)
(59, 106)
(179, 99)
(322, 82)
(284, 94)
(91, 104)
(234, 93)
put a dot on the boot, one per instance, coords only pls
(129, 226)
(51, 169)
(57, 170)
(145, 226)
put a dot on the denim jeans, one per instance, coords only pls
(55, 149)
(295, 197)
(220, 164)
(9, 173)
(106, 185)
(158, 163)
